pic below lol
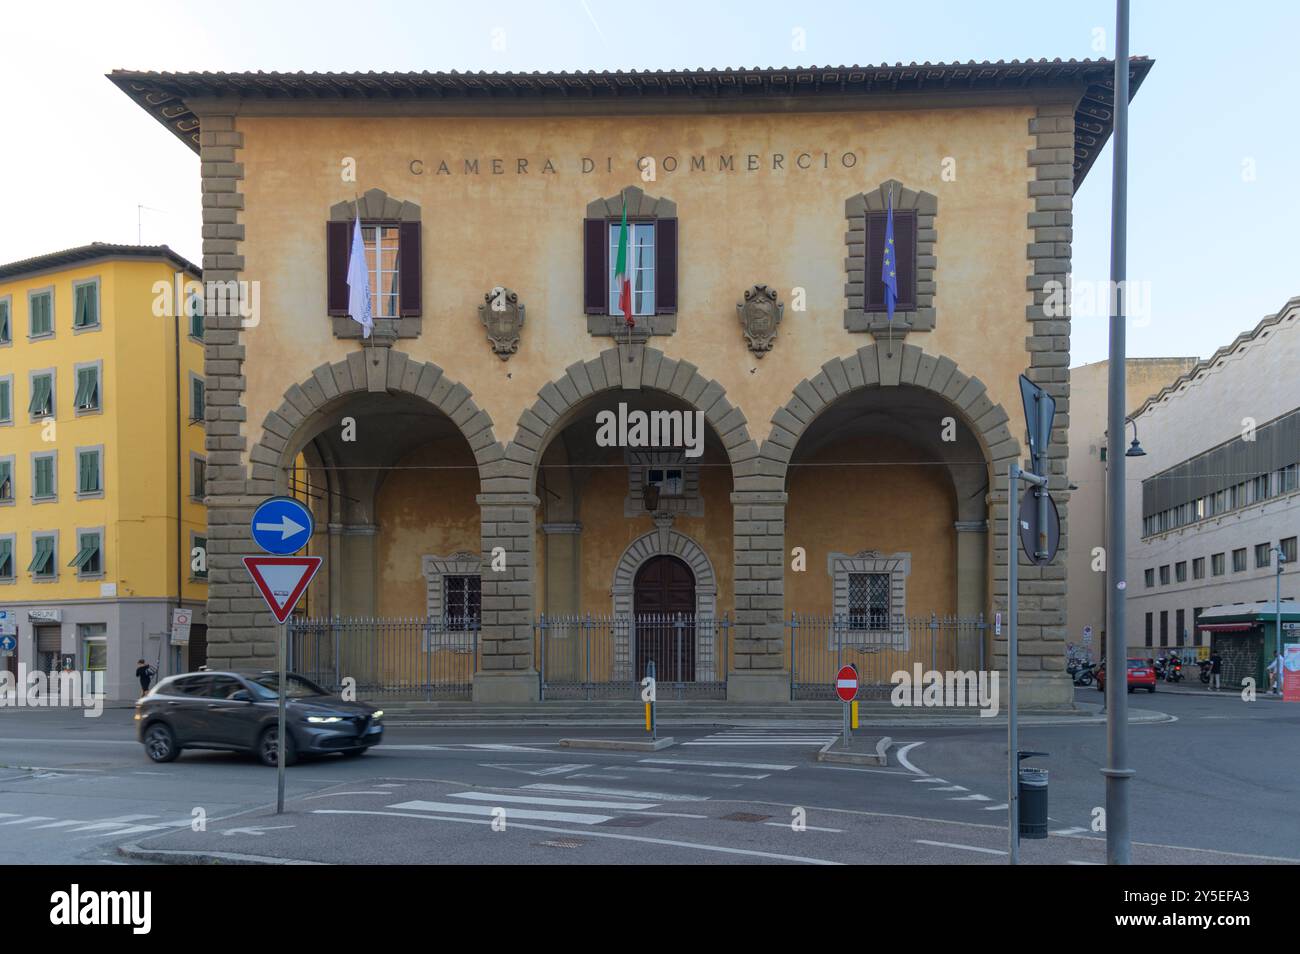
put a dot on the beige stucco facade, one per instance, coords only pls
(838, 445)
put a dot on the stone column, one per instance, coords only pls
(761, 672)
(563, 561)
(507, 673)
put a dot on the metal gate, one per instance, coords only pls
(820, 645)
(412, 658)
(605, 657)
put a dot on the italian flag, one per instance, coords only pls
(621, 276)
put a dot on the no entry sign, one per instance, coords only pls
(846, 683)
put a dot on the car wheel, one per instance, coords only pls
(268, 752)
(1130, 688)
(1151, 688)
(160, 744)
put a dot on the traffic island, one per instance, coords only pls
(861, 750)
(623, 745)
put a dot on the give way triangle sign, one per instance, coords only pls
(282, 580)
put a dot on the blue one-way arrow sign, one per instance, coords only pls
(282, 525)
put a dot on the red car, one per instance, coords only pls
(1141, 675)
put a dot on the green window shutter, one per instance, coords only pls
(43, 559)
(4, 321)
(201, 543)
(40, 403)
(196, 402)
(40, 314)
(44, 477)
(81, 314)
(195, 309)
(6, 480)
(88, 473)
(6, 559)
(87, 558)
(6, 410)
(88, 389)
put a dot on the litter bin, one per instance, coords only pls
(1033, 799)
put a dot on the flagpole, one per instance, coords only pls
(890, 319)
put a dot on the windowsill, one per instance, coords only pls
(90, 576)
(39, 418)
(6, 343)
(201, 501)
(196, 340)
(41, 337)
(198, 579)
(9, 422)
(7, 502)
(8, 579)
(45, 500)
(90, 495)
(76, 330)
(45, 579)
(89, 411)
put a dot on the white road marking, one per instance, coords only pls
(951, 788)
(98, 825)
(996, 808)
(966, 798)
(673, 814)
(336, 794)
(576, 818)
(937, 781)
(542, 800)
(617, 793)
(544, 770)
(621, 778)
(948, 844)
(668, 771)
(845, 768)
(815, 742)
(836, 831)
(1067, 831)
(644, 839)
(718, 764)
(901, 755)
(62, 824)
(29, 818)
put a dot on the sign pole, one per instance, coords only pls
(1013, 739)
(280, 745)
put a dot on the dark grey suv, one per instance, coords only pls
(237, 710)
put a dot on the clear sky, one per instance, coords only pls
(1214, 209)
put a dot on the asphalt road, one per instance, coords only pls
(1215, 785)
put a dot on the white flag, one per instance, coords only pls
(359, 282)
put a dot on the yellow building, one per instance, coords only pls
(101, 448)
(845, 481)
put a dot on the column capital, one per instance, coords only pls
(506, 500)
(760, 497)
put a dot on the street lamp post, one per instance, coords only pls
(1116, 772)
(1277, 607)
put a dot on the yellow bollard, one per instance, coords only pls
(853, 714)
(647, 717)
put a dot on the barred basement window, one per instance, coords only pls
(462, 602)
(869, 597)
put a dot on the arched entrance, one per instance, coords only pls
(663, 601)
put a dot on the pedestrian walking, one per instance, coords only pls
(145, 673)
(1216, 671)
(1275, 675)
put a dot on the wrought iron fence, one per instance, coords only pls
(605, 657)
(820, 645)
(412, 657)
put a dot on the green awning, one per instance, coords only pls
(42, 561)
(84, 556)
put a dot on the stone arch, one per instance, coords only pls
(873, 366)
(665, 542)
(286, 429)
(633, 368)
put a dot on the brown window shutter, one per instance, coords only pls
(409, 276)
(595, 266)
(904, 261)
(665, 266)
(338, 242)
(905, 255)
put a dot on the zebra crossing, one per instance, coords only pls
(814, 734)
(100, 827)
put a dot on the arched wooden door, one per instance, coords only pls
(663, 592)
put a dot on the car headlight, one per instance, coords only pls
(377, 714)
(320, 719)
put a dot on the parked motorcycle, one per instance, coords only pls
(1085, 674)
(1205, 666)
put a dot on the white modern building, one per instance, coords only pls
(1216, 498)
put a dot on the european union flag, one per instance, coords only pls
(887, 272)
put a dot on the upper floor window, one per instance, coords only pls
(198, 556)
(1288, 478)
(40, 314)
(7, 558)
(6, 479)
(1149, 577)
(1198, 568)
(1262, 555)
(198, 477)
(6, 327)
(1239, 560)
(1164, 575)
(197, 395)
(90, 471)
(44, 560)
(670, 481)
(1180, 572)
(85, 304)
(6, 399)
(391, 235)
(45, 484)
(194, 311)
(1217, 564)
(1288, 547)
(42, 401)
(87, 397)
(903, 258)
(650, 260)
(89, 560)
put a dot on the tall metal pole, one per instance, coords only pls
(280, 737)
(1277, 609)
(1013, 649)
(1117, 773)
